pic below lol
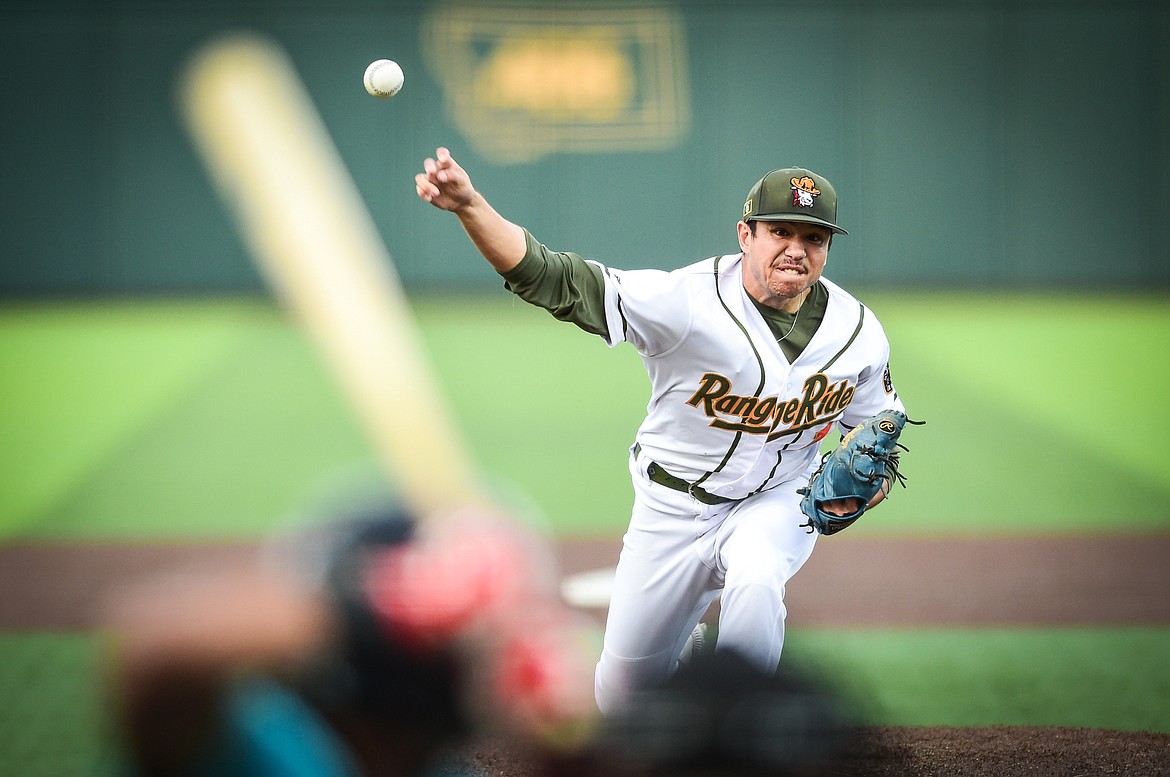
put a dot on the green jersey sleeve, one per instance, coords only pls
(563, 283)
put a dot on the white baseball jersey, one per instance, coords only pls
(727, 410)
(735, 426)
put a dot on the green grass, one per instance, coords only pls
(81, 383)
(53, 719)
(217, 418)
(1080, 677)
(55, 724)
(1090, 370)
(188, 419)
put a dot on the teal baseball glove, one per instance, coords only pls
(850, 475)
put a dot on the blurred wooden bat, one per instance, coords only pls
(308, 229)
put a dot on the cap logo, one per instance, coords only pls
(747, 206)
(804, 192)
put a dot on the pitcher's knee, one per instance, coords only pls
(751, 622)
(616, 678)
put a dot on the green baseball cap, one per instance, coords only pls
(793, 194)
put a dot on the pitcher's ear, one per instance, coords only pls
(744, 230)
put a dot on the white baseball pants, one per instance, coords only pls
(677, 556)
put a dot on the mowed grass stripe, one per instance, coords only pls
(549, 413)
(54, 720)
(1096, 678)
(1089, 369)
(244, 450)
(77, 380)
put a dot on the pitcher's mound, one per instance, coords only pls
(1001, 751)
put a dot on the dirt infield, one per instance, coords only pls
(1008, 751)
(988, 582)
(1043, 581)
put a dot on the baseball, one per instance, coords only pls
(383, 78)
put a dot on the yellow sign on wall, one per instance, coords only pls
(522, 82)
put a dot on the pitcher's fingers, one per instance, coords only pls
(425, 189)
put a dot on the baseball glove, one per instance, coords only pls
(865, 462)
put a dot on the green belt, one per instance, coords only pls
(663, 478)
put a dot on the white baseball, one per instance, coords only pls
(383, 78)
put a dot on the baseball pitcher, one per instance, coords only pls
(753, 357)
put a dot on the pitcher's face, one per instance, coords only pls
(782, 259)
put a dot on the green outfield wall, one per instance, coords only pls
(974, 143)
